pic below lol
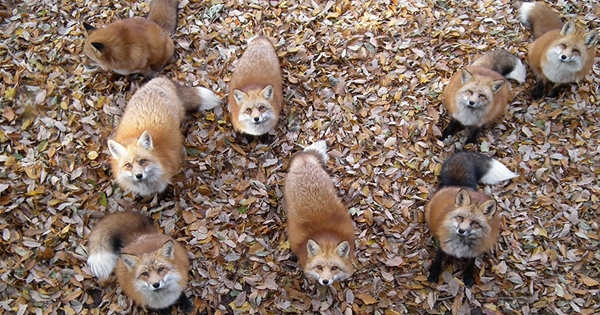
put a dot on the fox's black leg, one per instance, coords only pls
(249, 137)
(452, 126)
(468, 274)
(164, 311)
(185, 304)
(264, 138)
(436, 266)
(556, 88)
(538, 91)
(473, 135)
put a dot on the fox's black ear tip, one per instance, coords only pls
(88, 27)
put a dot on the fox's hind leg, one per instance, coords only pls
(468, 273)
(436, 267)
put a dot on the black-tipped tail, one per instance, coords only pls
(467, 169)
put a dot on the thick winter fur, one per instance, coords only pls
(465, 222)
(561, 53)
(164, 13)
(478, 95)
(146, 148)
(320, 228)
(255, 90)
(151, 268)
(135, 45)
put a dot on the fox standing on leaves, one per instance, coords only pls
(320, 229)
(478, 95)
(561, 53)
(146, 148)
(255, 90)
(151, 268)
(135, 45)
(464, 221)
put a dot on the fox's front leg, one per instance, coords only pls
(436, 267)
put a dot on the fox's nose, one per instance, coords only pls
(325, 281)
(563, 57)
(256, 119)
(156, 285)
(462, 231)
(471, 102)
(139, 176)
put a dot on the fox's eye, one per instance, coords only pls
(128, 165)
(475, 224)
(562, 46)
(161, 269)
(460, 218)
(469, 92)
(261, 108)
(483, 98)
(248, 110)
(576, 51)
(143, 161)
(145, 274)
(319, 267)
(334, 268)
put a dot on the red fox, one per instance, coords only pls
(255, 89)
(135, 45)
(479, 94)
(465, 222)
(560, 53)
(151, 268)
(146, 148)
(320, 229)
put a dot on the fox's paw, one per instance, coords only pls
(185, 304)
(433, 278)
(468, 280)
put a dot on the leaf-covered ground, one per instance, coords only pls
(364, 75)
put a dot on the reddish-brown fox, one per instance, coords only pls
(151, 268)
(465, 222)
(135, 45)
(479, 94)
(146, 148)
(320, 229)
(561, 53)
(255, 90)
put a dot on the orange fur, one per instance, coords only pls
(157, 108)
(561, 53)
(135, 45)
(315, 212)
(257, 69)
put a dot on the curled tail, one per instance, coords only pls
(112, 233)
(539, 18)
(319, 148)
(503, 62)
(466, 169)
(164, 13)
(195, 98)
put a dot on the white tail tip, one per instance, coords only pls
(209, 99)
(519, 73)
(524, 12)
(102, 264)
(319, 147)
(497, 173)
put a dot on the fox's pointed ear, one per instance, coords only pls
(462, 198)
(98, 46)
(466, 76)
(168, 250)
(267, 92)
(130, 261)
(88, 27)
(590, 38)
(343, 250)
(313, 248)
(568, 29)
(116, 149)
(497, 85)
(145, 141)
(488, 208)
(239, 96)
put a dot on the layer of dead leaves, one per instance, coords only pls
(366, 76)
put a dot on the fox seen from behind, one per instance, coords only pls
(151, 268)
(465, 222)
(320, 229)
(479, 94)
(255, 90)
(146, 147)
(561, 52)
(135, 45)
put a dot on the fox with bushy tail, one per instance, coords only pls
(479, 94)
(320, 229)
(561, 52)
(464, 221)
(151, 268)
